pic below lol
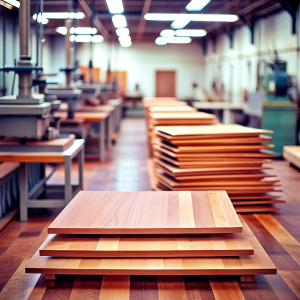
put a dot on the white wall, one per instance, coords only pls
(237, 67)
(142, 60)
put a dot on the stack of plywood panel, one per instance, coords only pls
(221, 157)
(150, 233)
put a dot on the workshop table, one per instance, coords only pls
(63, 157)
(99, 118)
(227, 107)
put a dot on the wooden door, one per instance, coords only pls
(165, 83)
(86, 73)
(120, 77)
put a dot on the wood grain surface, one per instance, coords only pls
(147, 213)
(259, 263)
(198, 132)
(292, 155)
(234, 244)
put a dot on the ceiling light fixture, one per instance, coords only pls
(178, 40)
(191, 32)
(14, 3)
(167, 33)
(40, 18)
(126, 43)
(197, 5)
(62, 15)
(191, 17)
(83, 30)
(160, 41)
(76, 30)
(115, 6)
(179, 24)
(122, 31)
(86, 38)
(119, 21)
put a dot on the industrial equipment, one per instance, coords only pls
(26, 115)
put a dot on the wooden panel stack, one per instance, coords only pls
(221, 157)
(150, 233)
(172, 112)
(292, 155)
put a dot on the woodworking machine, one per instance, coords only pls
(26, 115)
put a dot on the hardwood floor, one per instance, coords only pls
(126, 169)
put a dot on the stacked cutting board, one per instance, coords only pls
(150, 233)
(221, 157)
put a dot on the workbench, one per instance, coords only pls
(25, 157)
(100, 118)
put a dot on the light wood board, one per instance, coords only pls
(235, 244)
(221, 141)
(147, 213)
(198, 132)
(259, 263)
(292, 154)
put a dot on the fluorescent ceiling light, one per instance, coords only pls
(161, 41)
(61, 30)
(126, 44)
(191, 17)
(197, 5)
(119, 21)
(40, 18)
(178, 40)
(191, 32)
(115, 6)
(167, 33)
(86, 38)
(62, 15)
(14, 3)
(83, 30)
(122, 31)
(124, 39)
(179, 24)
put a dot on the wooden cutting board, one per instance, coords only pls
(198, 132)
(259, 263)
(235, 244)
(147, 213)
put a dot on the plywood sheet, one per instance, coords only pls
(198, 132)
(235, 244)
(216, 149)
(175, 171)
(147, 213)
(259, 263)
(222, 141)
(238, 162)
(170, 109)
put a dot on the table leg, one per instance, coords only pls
(102, 140)
(80, 167)
(109, 132)
(23, 185)
(68, 185)
(227, 116)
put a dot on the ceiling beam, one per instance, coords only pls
(96, 20)
(142, 22)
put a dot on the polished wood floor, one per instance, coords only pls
(126, 169)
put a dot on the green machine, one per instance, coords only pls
(279, 112)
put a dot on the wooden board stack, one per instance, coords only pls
(150, 233)
(173, 113)
(221, 157)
